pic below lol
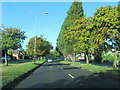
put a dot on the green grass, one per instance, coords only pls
(14, 70)
(94, 68)
(65, 62)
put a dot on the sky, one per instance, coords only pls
(22, 15)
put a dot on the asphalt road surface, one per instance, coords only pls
(57, 75)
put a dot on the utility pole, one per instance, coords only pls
(36, 17)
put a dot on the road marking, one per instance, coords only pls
(70, 75)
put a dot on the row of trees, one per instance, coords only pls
(55, 53)
(12, 38)
(89, 35)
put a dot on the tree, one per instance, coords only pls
(11, 39)
(107, 56)
(116, 59)
(55, 53)
(91, 35)
(75, 12)
(118, 9)
(82, 37)
(43, 47)
(9, 53)
(107, 25)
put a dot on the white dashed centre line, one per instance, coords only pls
(70, 75)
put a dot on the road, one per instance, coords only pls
(57, 75)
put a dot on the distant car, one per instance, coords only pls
(2, 59)
(110, 61)
(49, 60)
(30, 57)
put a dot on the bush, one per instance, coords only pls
(106, 57)
(23, 57)
(9, 53)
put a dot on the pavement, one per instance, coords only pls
(98, 64)
(57, 75)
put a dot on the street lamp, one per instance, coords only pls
(36, 17)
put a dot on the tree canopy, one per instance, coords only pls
(11, 38)
(42, 46)
(75, 12)
(91, 35)
(106, 19)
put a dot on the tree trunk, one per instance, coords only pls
(86, 57)
(6, 60)
(102, 61)
(64, 58)
(34, 59)
(97, 56)
(114, 64)
(87, 60)
(73, 58)
(115, 60)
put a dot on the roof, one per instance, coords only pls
(17, 52)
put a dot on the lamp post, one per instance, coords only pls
(36, 17)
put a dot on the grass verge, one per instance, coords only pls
(115, 73)
(15, 70)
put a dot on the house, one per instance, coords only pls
(17, 53)
(81, 56)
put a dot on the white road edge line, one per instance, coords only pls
(70, 75)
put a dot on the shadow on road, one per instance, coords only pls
(51, 64)
(113, 73)
(71, 68)
(90, 81)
